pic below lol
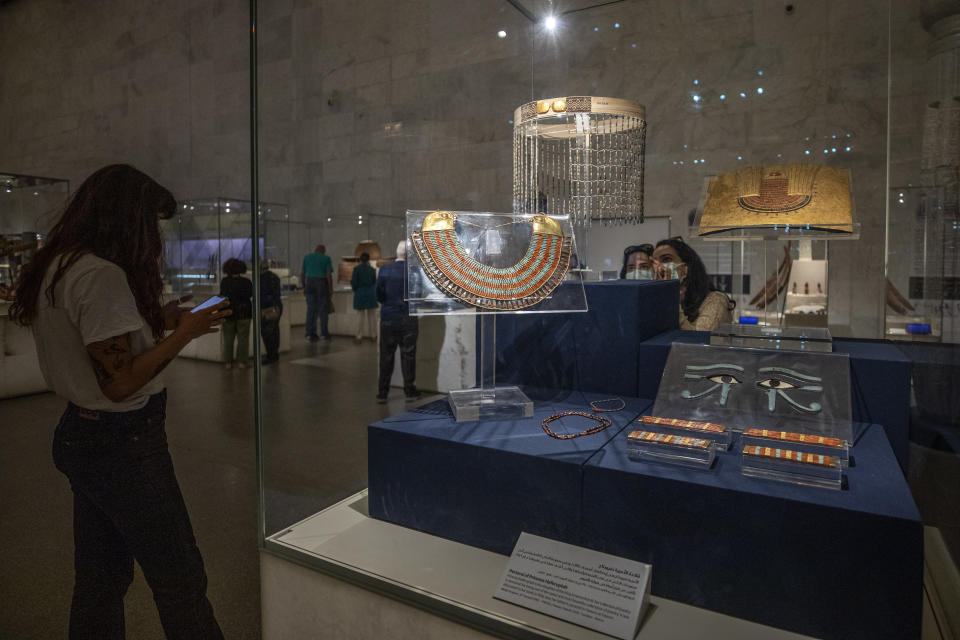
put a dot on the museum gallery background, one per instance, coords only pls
(368, 108)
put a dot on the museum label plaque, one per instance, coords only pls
(595, 590)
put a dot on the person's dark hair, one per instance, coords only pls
(364, 258)
(697, 285)
(114, 215)
(234, 267)
(643, 248)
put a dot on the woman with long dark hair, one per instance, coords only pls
(92, 296)
(702, 307)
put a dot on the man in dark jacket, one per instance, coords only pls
(270, 321)
(397, 327)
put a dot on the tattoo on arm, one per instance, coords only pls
(109, 357)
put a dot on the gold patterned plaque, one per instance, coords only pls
(799, 195)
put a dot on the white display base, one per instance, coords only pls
(500, 403)
(446, 354)
(20, 372)
(436, 588)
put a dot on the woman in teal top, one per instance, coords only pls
(364, 285)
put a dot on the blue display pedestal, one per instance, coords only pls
(483, 483)
(879, 376)
(593, 351)
(831, 564)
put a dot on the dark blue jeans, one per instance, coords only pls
(318, 306)
(127, 506)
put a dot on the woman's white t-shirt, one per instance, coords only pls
(92, 302)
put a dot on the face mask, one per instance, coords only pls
(673, 270)
(640, 274)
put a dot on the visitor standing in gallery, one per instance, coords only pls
(92, 296)
(238, 289)
(397, 327)
(702, 307)
(271, 308)
(364, 285)
(317, 276)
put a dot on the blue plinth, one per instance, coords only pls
(593, 351)
(879, 377)
(831, 564)
(483, 483)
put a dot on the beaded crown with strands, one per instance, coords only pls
(524, 284)
(580, 156)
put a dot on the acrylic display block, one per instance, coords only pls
(500, 403)
(787, 465)
(767, 337)
(686, 451)
(719, 434)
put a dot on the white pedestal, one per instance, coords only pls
(19, 366)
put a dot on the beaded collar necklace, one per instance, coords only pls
(522, 285)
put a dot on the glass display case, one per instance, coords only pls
(923, 267)
(28, 206)
(414, 109)
(777, 282)
(205, 233)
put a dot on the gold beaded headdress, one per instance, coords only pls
(528, 282)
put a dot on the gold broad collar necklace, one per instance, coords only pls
(447, 263)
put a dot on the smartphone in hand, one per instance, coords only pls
(209, 302)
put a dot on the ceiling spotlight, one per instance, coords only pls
(550, 23)
(501, 34)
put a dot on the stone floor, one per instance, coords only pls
(315, 442)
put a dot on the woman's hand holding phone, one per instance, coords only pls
(193, 324)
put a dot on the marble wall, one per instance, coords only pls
(369, 108)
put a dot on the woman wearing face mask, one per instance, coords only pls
(637, 262)
(701, 307)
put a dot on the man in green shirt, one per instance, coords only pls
(317, 277)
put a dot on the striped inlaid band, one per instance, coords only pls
(792, 456)
(690, 425)
(666, 439)
(789, 436)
